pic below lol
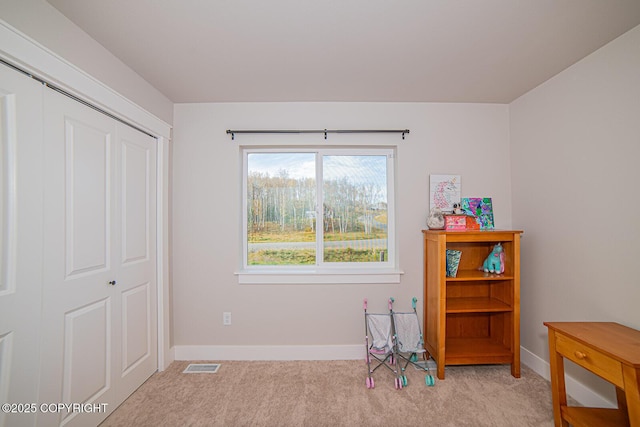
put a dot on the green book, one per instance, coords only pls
(453, 260)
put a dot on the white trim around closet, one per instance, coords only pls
(31, 56)
(27, 54)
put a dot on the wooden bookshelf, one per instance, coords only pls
(473, 318)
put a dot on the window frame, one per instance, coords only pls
(323, 272)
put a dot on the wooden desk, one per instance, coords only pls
(609, 350)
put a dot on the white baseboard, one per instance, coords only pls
(269, 352)
(578, 391)
(170, 356)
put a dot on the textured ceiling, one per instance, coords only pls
(350, 50)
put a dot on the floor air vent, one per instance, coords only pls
(204, 368)
(430, 364)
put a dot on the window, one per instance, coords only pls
(318, 211)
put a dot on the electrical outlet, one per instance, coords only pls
(226, 318)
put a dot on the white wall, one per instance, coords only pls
(466, 139)
(575, 147)
(44, 24)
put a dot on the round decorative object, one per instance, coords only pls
(436, 219)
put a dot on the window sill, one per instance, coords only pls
(319, 277)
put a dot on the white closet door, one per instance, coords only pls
(99, 292)
(136, 290)
(20, 240)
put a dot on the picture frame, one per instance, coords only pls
(481, 208)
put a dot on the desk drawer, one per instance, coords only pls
(593, 360)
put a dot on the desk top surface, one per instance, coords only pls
(618, 341)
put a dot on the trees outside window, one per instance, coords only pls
(325, 208)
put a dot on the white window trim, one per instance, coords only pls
(387, 272)
(351, 276)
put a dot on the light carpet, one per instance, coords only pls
(333, 393)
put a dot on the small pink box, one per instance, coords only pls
(455, 222)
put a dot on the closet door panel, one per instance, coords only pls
(136, 331)
(137, 290)
(88, 182)
(21, 160)
(79, 225)
(87, 369)
(136, 201)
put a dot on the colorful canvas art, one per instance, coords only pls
(481, 209)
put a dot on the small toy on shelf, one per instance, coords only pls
(495, 261)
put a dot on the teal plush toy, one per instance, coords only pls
(495, 261)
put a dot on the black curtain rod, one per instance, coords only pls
(324, 131)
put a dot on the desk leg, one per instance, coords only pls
(621, 397)
(558, 390)
(632, 391)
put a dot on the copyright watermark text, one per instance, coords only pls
(56, 408)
